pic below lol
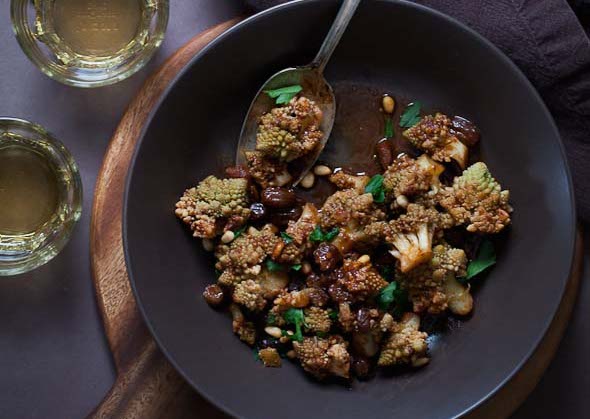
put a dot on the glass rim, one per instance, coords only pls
(84, 77)
(60, 229)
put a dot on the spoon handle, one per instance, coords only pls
(336, 31)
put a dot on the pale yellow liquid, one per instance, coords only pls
(28, 190)
(97, 27)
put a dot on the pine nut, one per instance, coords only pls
(273, 331)
(402, 201)
(364, 259)
(228, 236)
(321, 170)
(308, 180)
(388, 104)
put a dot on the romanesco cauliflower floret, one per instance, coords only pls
(266, 171)
(343, 181)
(367, 332)
(299, 115)
(411, 234)
(432, 134)
(405, 345)
(300, 230)
(250, 294)
(241, 259)
(277, 143)
(349, 212)
(270, 357)
(289, 132)
(426, 283)
(245, 330)
(297, 234)
(317, 320)
(361, 279)
(211, 201)
(351, 205)
(323, 357)
(349, 208)
(478, 200)
(407, 177)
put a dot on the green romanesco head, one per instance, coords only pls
(477, 198)
(479, 177)
(222, 197)
(277, 143)
(214, 200)
(289, 132)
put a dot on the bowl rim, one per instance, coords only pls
(419, 8)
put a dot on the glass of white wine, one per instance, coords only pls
(40, 196)
(89, 43)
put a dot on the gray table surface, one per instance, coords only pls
(54, 359)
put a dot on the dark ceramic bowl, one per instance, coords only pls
(398, 47)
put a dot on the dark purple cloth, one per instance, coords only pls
(546, 40)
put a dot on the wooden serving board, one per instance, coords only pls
(147, 386)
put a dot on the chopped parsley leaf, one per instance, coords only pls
(239, 231)
(411, 115)
(272, 266)
(284, 94)
(392, 294)
(388, 128)
(286, 238)
(486, 257)
(387, 272)
(375, 188)
(317, 235)
(295, 316)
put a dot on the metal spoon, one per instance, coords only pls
(315, 87)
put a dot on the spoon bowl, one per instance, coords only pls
(315, 87)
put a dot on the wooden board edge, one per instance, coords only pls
(113, 292)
